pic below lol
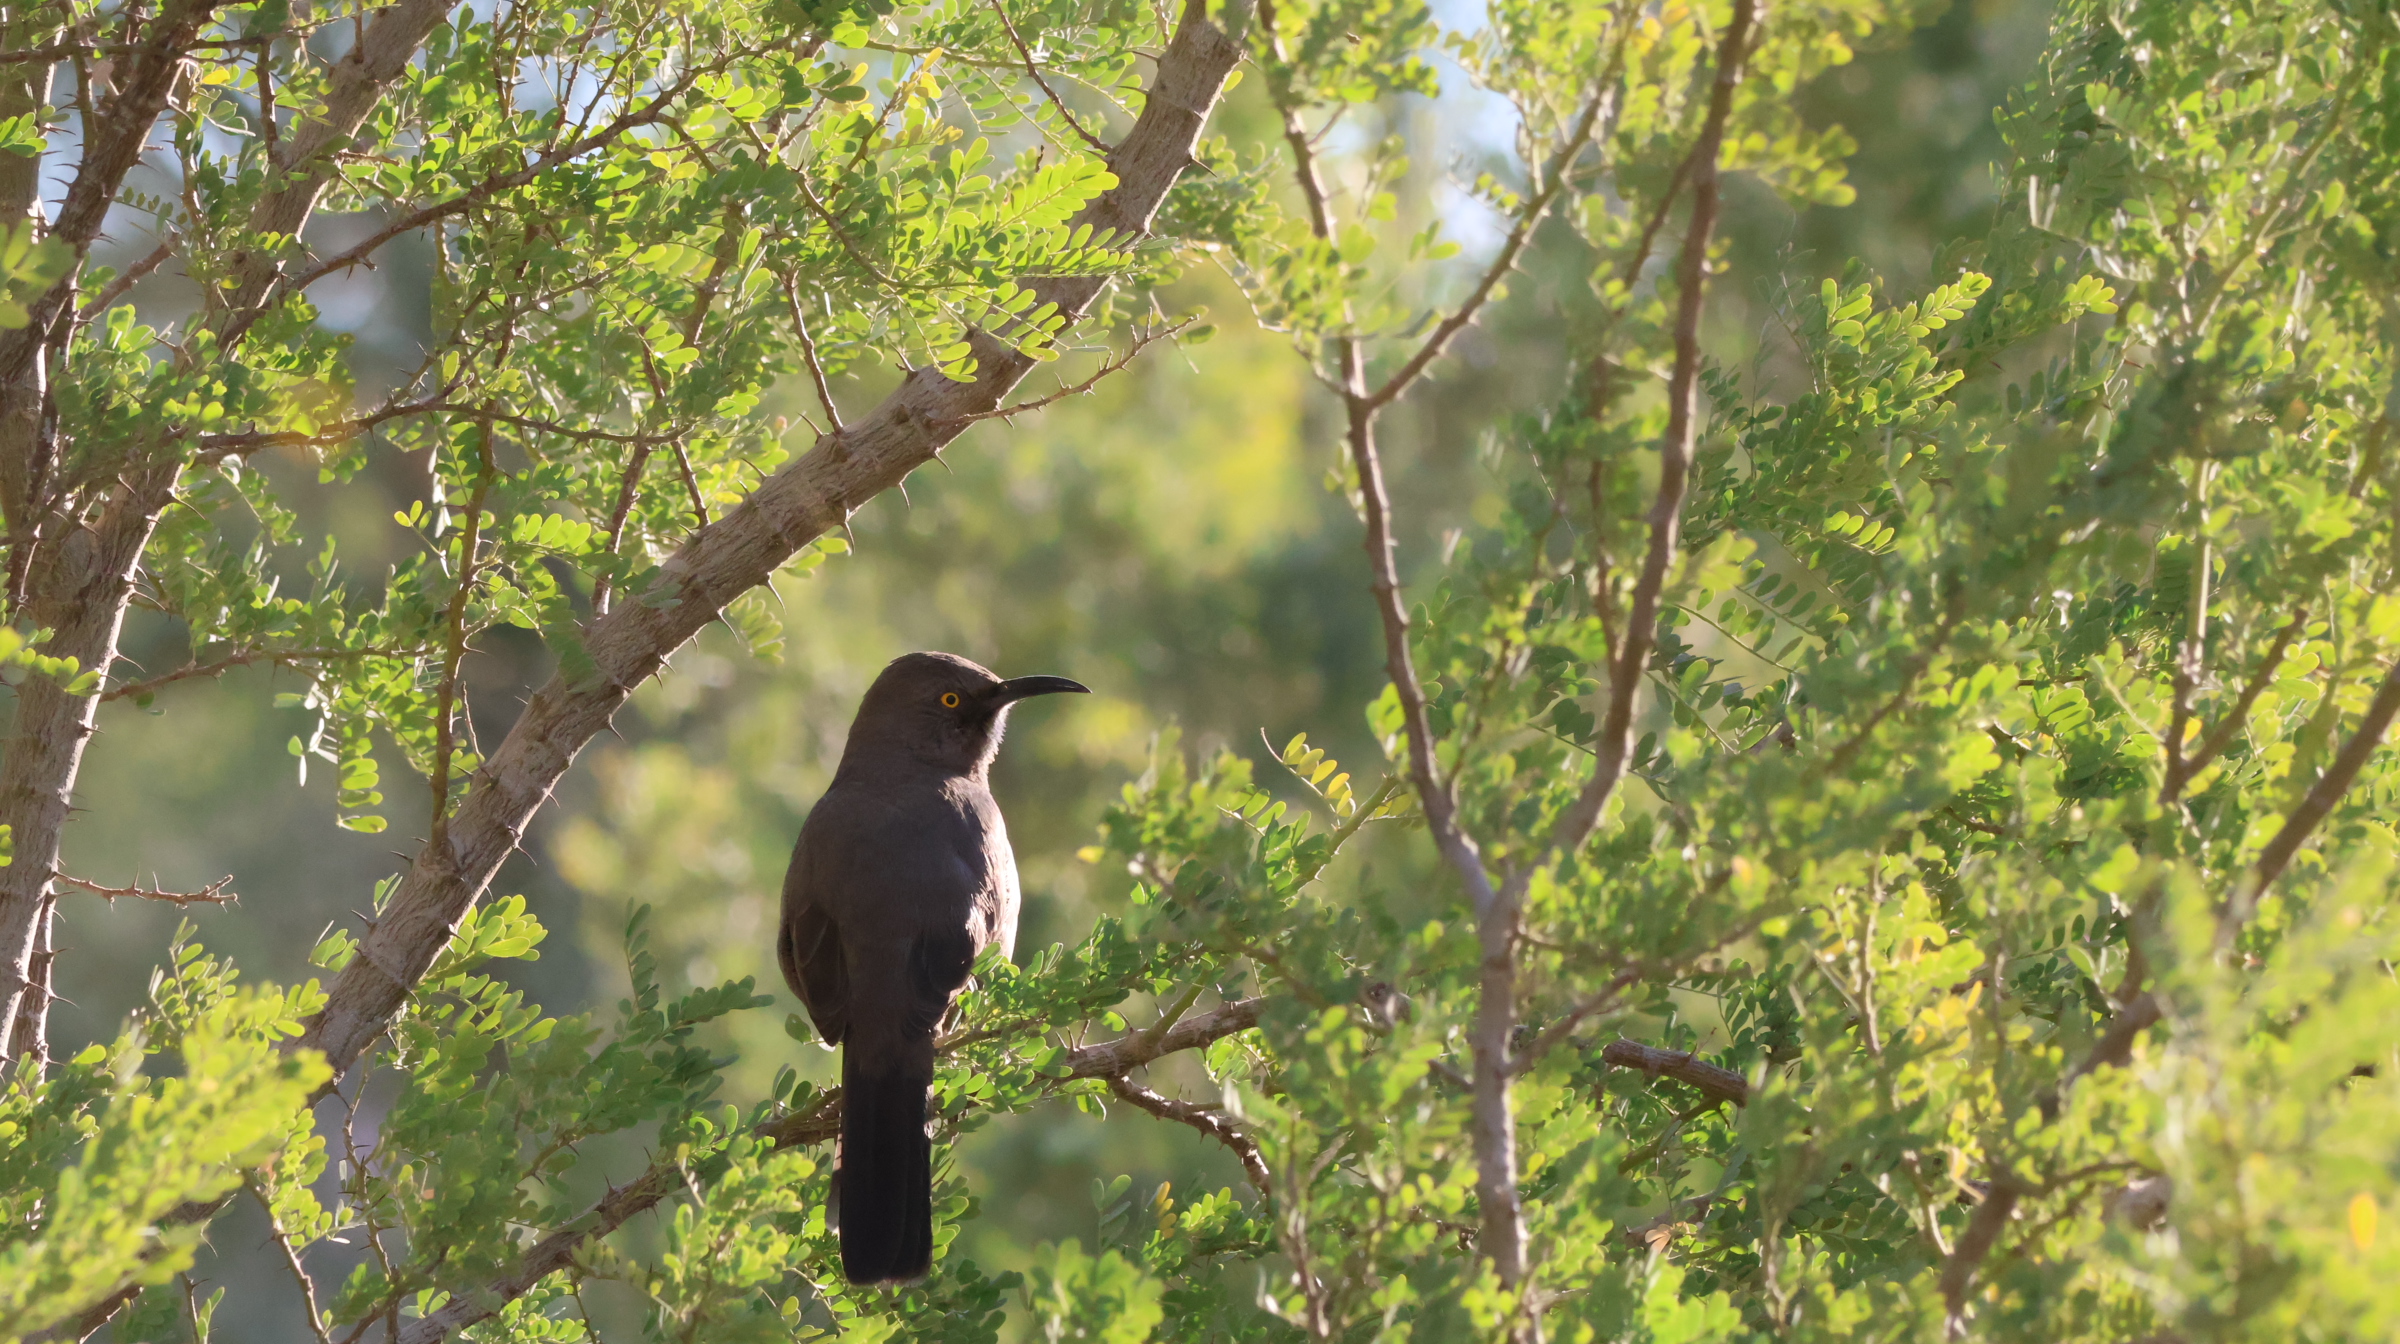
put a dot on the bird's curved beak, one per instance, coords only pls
(1018, 688)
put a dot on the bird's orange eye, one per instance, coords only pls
(950, 700)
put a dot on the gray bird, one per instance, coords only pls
(902, 876)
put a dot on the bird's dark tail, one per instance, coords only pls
(885, 1177)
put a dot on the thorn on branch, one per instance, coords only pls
(212, 894)
(1215, 1126)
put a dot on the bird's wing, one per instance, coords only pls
(809, 946)
(897, 885)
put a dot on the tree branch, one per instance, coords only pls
(1375, 502)
(2313, 808)
(212, 894)
(132, 275)
(1215, 1126)
(808, 354)
(719, 562)
(113, 143)
(1714, 1081)
(2222, 735)
(219, 666)
(819, 1122)
(218, 447)
(83, 597)
(1983, 1232)
(1951, 615)
(1614, 746)
(291, 1260)
(656, 110)
(1052, 94)
(1552, 183)
(1114, 364)
(454, 650)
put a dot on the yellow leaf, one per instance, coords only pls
(2362, 1220)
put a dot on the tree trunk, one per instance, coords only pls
(81, 583)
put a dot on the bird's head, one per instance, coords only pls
(942, 711)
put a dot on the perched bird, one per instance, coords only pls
(902, 876)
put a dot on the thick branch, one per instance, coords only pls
(1715, 1082)
(1974, 1245)
(142, 82)
(733, 554)
(79, 585)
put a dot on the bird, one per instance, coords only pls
(901, 878)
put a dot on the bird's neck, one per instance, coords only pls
(884, 764)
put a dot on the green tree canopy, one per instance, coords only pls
(1879, 831)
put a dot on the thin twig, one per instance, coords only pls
(2115, 1044)
(1614, 746)
(2313, 808)
(808, 354)
(454, 624)
(1035, 71)
(1115, 363)
(2194, 645)
(819, 1122)
(649, 114)
(2222, 735)
(218, 447)
(691, 483)
(1215, 1126)
(212, 894)
(291, 1260)
(127, 279)
(219, 666)
(486, 413)
(628, 486)
(1840, 756)
(1556, 1033)
(1553, 182)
